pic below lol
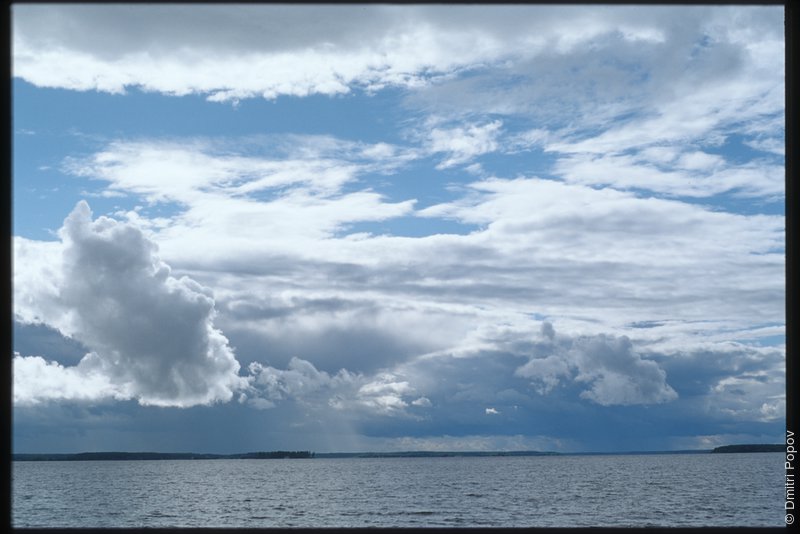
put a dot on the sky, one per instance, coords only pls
(397, 227)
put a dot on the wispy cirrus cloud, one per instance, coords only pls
(461, 144)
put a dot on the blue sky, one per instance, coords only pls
(378, 227)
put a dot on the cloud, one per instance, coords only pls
(151, 335)
(383, 394)
(578, 145)
(423, 402)
(464, 143)
(286, 284)
(255, 51)
(236, 197)
(240, 54)
(724, 380)
(617, 374)
(557, 245)
(184, 170)
(614, 372)
(495, 360)
(694, 80)
(539, 381)
(38, 276)
(693, 174)
(37, 380)
(300, 380)
(38, 338)
(736, 395)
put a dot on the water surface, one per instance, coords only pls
(533, 491)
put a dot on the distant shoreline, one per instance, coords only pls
(751, 448)
(272, 455)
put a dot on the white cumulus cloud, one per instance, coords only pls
(151, 335)
(613, 371)
(302, 382)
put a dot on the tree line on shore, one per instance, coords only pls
(162, 456)
(269, 455)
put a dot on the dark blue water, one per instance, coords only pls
(543, 491)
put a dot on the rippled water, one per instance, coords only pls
(538, 491)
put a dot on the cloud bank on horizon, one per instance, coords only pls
(417, 226)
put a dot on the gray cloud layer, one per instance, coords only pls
(273, 49)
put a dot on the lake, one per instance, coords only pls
(671, 490)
